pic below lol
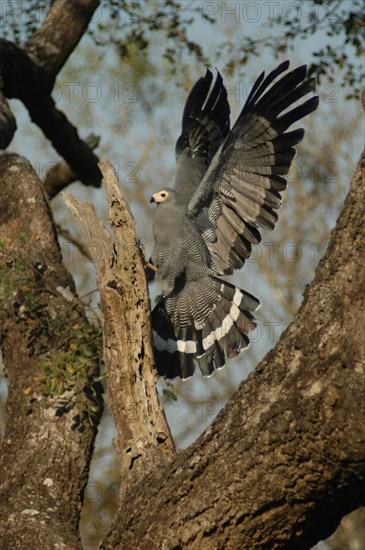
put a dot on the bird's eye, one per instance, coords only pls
(164, 194)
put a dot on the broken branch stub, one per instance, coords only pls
(128, 350)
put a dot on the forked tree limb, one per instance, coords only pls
(284, 461)
(138, 415)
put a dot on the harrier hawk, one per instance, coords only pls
(227, 186)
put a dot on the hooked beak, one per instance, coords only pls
(156, 198)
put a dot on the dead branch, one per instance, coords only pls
(131, 373)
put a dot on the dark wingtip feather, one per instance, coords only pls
(262, 84)
(313, 103)
(286, 120)
(283, 66)
(197, 96)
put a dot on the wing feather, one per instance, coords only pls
(240, 191)
(205, 125)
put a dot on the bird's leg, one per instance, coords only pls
(150, 266)
(146, 263)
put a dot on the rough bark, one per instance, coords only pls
(140, 422)
(49, 439)
(65, 23)
(285, 459)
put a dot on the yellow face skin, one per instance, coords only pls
(161, 196)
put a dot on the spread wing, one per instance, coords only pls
(205, 124)
(240, 191)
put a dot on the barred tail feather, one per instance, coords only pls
(165, 346)
(179, 347)
(227, 325)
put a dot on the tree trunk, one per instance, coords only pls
(45, 340)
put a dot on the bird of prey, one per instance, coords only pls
(227, 186)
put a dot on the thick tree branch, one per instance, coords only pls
(61, 174)
(29, 75)
(138, 416)
(65, 23)
(285, 459)
(54, 403)
(24, 80)
(7, 122)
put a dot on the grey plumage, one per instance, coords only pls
(227, 185)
